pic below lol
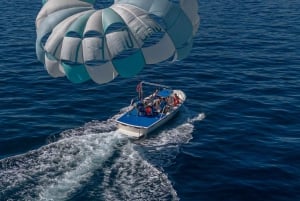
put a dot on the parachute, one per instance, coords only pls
(76, 40)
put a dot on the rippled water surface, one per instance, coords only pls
(237, 137)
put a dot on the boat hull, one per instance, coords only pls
(140, 131)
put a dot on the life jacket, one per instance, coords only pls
(176, 100)
(148, 111)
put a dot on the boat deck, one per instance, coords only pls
(132, 118)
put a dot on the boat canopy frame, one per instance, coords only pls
(155, 84)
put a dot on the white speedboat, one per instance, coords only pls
(146, 114)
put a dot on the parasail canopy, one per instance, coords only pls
(80, 42)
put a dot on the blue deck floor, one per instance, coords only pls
(132, 118)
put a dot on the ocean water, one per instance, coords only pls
(236, 139)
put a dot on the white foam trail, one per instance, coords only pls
(133, 178)
(93, 152)
(199, 117)
(58, 169)
(96, 156)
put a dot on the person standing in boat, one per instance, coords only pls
(156, 104)
(163, 105)
(140, 108)
(176, 100)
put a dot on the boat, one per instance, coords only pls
(155, 105)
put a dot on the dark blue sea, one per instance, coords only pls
(236, 139)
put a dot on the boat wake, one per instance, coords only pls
(96, 162)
